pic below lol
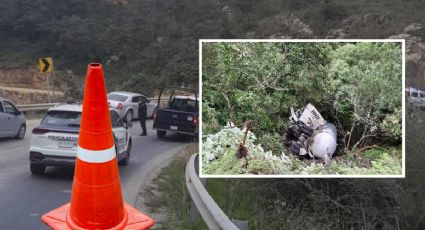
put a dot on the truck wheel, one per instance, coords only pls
(295, 148)
(37, 169)
(161, 133)
(195, 138)
(307, 130)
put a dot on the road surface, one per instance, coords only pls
(24, 198)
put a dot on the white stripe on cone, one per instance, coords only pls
(96, 156)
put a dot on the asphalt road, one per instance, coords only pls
(24, 198)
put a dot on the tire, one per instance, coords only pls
(307, 130)
(21, 132)
(195, 138)
(129, 115)
(126, 159)
(37, 169)
(295, 148)
(161, 133)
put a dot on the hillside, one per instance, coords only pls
(149, 43)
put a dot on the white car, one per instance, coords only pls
(54, 142)
(126, 103)
(12, 121)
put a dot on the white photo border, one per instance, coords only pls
(402, 41)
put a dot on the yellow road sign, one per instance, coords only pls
(45, 64)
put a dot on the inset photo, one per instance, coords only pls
(302, 108)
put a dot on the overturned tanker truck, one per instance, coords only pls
(309, 134)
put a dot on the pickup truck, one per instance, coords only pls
(180, 114)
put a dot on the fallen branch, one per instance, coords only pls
(243, 151)
(364, 148)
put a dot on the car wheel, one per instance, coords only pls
(126, 159)
(21, 132)
(129, 115)
(37, 169)
(161, 133)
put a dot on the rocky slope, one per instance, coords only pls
(26, 86)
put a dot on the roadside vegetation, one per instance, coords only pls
(356, 86)
(168, 198)
(296, 204)
(332, 203)
(219, 158)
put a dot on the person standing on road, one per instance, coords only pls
(142, 116)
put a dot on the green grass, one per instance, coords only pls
(219, 158)
(172, 195)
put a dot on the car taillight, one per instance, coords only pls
(154, 115)
(40, 131)
(34, 156)
(119, 106)
(195, 121)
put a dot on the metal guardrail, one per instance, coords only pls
(211, 213)
(36, 107)
(46, 106)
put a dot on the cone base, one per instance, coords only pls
(56, 219)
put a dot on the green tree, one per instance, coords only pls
(260, 81)
(367, 81)
(357, 86)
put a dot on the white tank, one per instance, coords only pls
(324, 142)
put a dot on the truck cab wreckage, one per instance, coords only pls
(309, 134)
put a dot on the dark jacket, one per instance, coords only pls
(142, 110)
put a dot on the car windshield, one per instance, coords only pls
(62, 118)
(117, 97)
(184, 105)
(415, 94)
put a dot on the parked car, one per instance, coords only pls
(126, 104)
(415, 97)
(54, 142)
(179, 115)
(12, 121)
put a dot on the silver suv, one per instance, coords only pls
(126, 104)
(12, 121)
(54, 142)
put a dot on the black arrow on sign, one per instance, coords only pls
(46, 64)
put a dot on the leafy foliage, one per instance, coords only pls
(346, 81)
(261, 80)
(366, 80)
(219, 158)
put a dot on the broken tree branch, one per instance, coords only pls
(364, 148)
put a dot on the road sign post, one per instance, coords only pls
(48, 87)
(45, 65)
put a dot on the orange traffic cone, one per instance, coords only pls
(96, 200)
